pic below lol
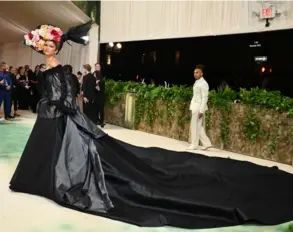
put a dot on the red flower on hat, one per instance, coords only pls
(56, 35)
(37, 37)
(30, 36)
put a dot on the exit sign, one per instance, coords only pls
(267, 13)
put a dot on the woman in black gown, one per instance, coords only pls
(69, 160)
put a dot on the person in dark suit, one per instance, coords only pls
(89, 94)
(35, 95)
(25, 93)
(39, 76)
(74, 80)
(16, 86)
(100, 94)
(80, 94)
(5, 90)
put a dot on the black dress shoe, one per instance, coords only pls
(9, 117)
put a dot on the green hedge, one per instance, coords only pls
(150, 93)
(177, 100)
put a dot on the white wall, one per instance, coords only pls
(16, 54)
(143, 20)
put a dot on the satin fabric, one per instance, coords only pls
(71, 161)
(79, 176)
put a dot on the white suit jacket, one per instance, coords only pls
(200, 96)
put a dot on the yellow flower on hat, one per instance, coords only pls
(43, 31)
(44, 27)
(47, 35)
(40, 45)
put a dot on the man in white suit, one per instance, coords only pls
(198, 106)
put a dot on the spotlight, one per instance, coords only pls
(111, 44)
(119, 46)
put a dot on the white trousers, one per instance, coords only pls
(198, 132)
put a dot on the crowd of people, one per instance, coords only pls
(21, 89)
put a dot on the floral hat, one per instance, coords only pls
(36, 38)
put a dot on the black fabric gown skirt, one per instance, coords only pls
(66, 162)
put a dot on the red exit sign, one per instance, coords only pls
(267, 13)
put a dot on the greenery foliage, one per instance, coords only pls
(167, 105)
(252, 124)
(268, 99)
(222, 100)
(88, 7)
(147, 97)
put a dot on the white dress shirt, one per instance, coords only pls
(200, 96)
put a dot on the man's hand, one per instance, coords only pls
(8, 87)
(2, 82)
(85, 100)
(200, 115)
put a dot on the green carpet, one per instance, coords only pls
(13, 139)
(12, 142)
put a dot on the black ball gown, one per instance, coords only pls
(69, 160)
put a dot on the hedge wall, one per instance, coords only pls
(259, 124)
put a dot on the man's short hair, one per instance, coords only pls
(87, 67)
(68, 69)
(200, 67)
(42, 66)
(3, 65)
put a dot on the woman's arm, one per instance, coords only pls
(66, 102)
